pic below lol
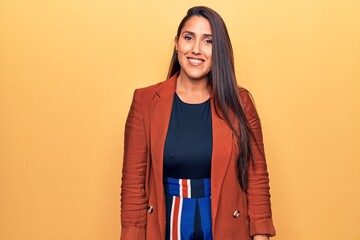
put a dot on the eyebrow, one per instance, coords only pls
(192, 33)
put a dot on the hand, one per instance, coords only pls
(261, 237)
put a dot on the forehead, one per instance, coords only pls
(197, 25)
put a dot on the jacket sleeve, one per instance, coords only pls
(133, 197)
(258, 195)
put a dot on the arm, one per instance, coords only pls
(258, 195)
(261, 237)
(133, 197)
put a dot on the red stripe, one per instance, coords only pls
(175, 219)
(185, 188)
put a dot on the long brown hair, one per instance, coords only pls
(223, 81)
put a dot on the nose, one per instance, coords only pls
(196, 48)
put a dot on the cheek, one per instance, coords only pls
(183, 49)
(208, 51)
(181, 58)
(184, 46)
(210, 63)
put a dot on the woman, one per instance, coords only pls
(194, 165)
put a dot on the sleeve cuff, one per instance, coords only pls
(132, 233)
(262, 226)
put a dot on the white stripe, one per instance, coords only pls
(171, 217)
(189, 188)
(179, 220)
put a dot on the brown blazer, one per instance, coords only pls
(142, 195)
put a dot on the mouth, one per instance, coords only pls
(195, 61)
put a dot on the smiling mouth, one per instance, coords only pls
(195, 60)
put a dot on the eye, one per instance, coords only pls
(187, 37)
(208, 41)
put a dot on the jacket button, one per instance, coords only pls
(150, 209)
(236, 214)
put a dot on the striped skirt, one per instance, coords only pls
(188, 209)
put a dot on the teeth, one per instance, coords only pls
(194, 60)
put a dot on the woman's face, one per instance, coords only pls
(194, 47)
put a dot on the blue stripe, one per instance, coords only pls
(205, 216)
(187, 218)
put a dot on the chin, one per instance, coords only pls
(196, 75)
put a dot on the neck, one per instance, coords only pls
(187, 84)
(192, 90)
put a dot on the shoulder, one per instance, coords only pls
(245, 95)
(243, 91)
(247, 102)
(147, 93)
(164, 88)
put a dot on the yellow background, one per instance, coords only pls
(67, 72)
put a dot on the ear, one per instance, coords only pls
(176, 40)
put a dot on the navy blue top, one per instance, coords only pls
(188, 144)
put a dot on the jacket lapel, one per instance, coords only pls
(222, 147)
(160, 118)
